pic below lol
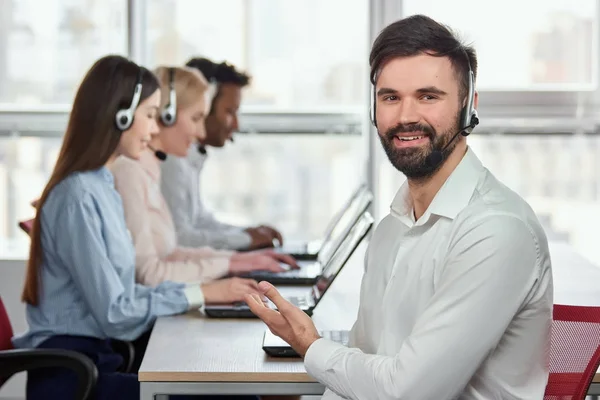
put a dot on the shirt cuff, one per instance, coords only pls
(224, 253)
(219, 267)
(318, 355)
(240, 240)
(194, 296)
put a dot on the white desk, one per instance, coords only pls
(190, 354)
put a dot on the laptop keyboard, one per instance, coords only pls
(341, 337)
(309, 270)
(298, 301)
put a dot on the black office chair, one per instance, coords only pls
(127, 351)
(13, 360)
(19, 360)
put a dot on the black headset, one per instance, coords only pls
(469, 117)
(168, 115)
(124, 117)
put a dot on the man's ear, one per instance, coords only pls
(475, 99)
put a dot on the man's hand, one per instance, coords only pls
(288, 322)
(263, 236)
(265, 260)
(229, 290)
(274, 233)
(259, 238)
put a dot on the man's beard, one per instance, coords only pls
(413, 161)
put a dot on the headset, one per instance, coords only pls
(124, 117)
(469, 117)
(168, 115)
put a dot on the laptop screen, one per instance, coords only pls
(359, 203)
(340, 214)
(339, 259)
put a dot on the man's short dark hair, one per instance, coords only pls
(419, 34)
(219, 73)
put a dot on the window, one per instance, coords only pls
(25, 166)
(524, 45)
(557, 175)
(294, 182)
(301, 54)
(46, 47)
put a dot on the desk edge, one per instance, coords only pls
(224, 377)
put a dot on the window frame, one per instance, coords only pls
(530, 110)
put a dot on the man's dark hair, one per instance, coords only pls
(419, 34)
(219, 73)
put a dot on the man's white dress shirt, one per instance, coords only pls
(455, 305)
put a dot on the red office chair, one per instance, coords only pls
(574, 352)
(19, 360)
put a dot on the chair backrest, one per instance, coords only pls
(6, 331)
(574, 351)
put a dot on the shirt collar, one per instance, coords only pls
(194, 157)
(452, 197)
(150, 164)
(104, 173)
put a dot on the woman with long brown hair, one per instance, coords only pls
(80, 286)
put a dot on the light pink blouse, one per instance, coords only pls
(158, 258)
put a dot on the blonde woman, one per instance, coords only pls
(158, 257)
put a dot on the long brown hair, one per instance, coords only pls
(90, 140)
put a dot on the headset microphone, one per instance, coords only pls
(201, 149)
(161, 155)
(436, 156)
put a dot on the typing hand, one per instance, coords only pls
(274, 233)
(284, 258)
(266, 260)
(229, 290)
(259, 238)
(288, 321)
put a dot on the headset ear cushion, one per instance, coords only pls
(124, 119)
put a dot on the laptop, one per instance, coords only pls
(308, 301)
(310, 271)
(337, 226)
(275, 346)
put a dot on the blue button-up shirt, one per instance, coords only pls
(87, 277)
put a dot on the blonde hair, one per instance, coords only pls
(190, 85)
